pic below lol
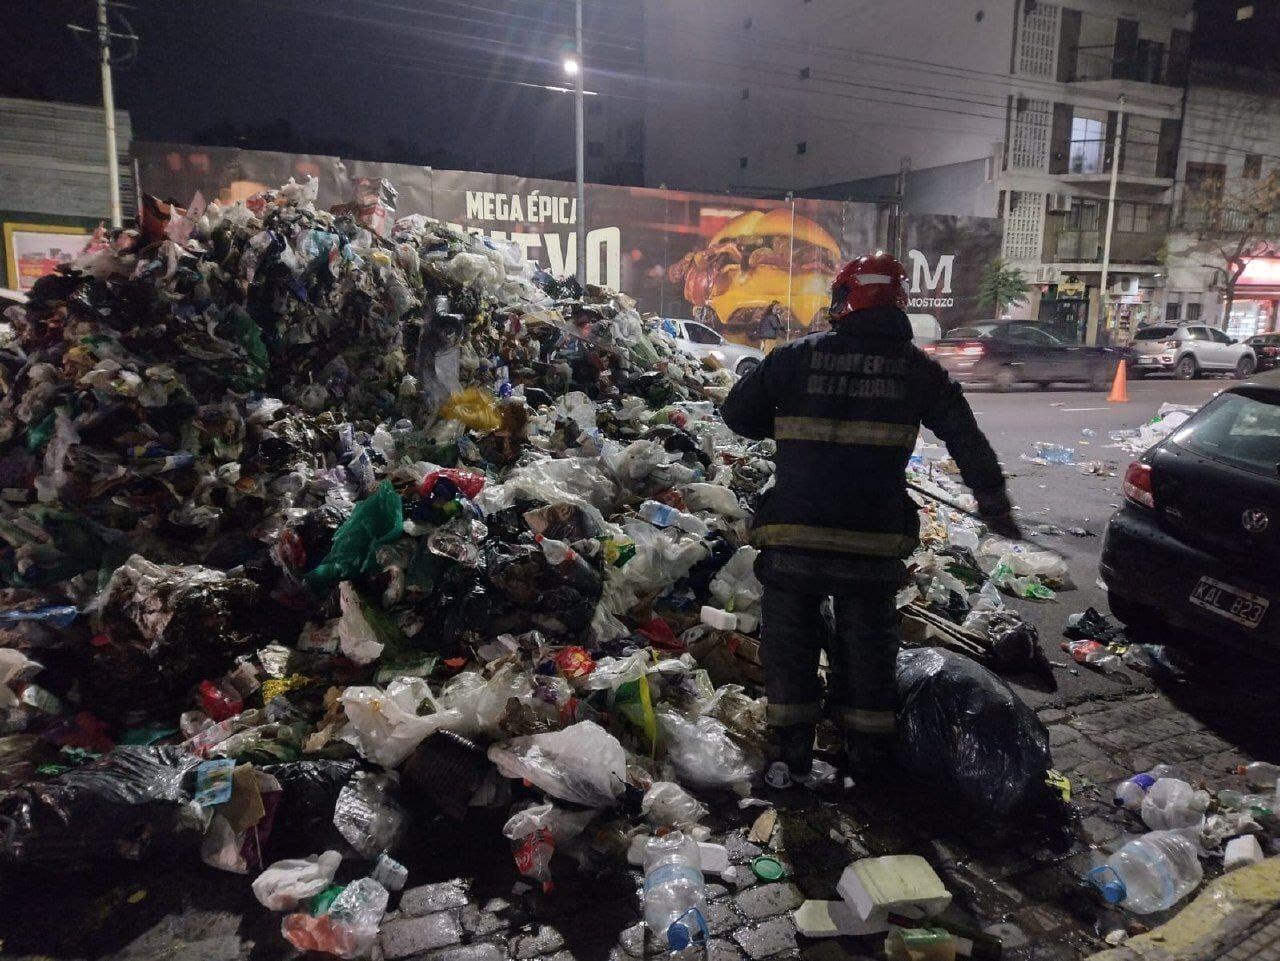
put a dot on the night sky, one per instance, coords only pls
(417, 81)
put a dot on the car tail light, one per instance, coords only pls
(973, 350)
(929, 348)
(1137, 485)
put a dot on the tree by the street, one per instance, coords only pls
(1238, 222)
(1002, 287)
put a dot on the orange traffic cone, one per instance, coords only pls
(1119, 387)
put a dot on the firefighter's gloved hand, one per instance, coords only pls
(997, 513)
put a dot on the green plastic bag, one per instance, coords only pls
(376, 520)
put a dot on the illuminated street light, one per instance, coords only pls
(571, 66)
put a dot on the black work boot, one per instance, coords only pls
(870, 756)
(792, 746)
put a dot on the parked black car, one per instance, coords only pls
(1197, 541)
(1266, 347)
(1004, 353)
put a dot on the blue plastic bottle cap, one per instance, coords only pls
(677, 936)
(1105, 879)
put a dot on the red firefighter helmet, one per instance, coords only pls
(872, 280)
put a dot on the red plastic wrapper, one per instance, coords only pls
(1081, 651)
(533, 856)
(220, 701)
(469, 483)
(661, 636)
(574, 662)
(672, 498)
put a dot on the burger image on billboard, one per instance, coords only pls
(742, 272)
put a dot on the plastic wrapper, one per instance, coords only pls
(284, 884)
(583, 764)
(536, 832)
(667, 804)
(963, 734)
(368, 815)
(703, 753)
(132, 803)
(474, 408)
(348, 929)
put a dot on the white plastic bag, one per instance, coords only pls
(385, 725)
(356, 636)
(715, 498)
(702, 752)
(476, 705)
(583, 764)
(281, 886)
(667, 804)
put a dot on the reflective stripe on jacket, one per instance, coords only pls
(845, 407)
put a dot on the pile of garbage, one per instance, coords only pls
(1185, 825)
(1166, 420)
(307, 529)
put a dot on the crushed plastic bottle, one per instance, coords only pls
(1150, 873)
(675, 904)
(1172, 803)
(1054, 453)
(1130, 792)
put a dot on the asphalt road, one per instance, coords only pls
(1065, 497)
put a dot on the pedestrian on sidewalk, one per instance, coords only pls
(845, 407)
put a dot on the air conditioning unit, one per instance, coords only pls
(1059, 203)
(1125, 286)
(1046, 275)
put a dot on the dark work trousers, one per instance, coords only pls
(862, 693)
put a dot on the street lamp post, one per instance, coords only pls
(581, 225)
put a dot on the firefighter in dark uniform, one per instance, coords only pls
(845, 407)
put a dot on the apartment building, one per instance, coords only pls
(1229, 154)
(1097, 99)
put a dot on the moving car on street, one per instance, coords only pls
(1190, 350)
(701, 341)
(1266, 347)
(1196, 543)
(1005, 353)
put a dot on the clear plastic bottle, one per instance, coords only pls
(1172, 804)
(1130, 792)
(664, 515)
(1260, 775)
(1150, 873)
(675, 904)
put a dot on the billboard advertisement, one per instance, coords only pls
(722, 259)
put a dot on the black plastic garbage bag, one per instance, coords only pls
(132, 803)
(303, 821)
(965, 735)
(1015, 648)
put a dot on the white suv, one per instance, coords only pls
(1190, 350)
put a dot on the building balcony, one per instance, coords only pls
(1147, 75)
(1139, 251)
(1213, 219)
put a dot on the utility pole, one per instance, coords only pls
(579, 145)
(900, 196)
(791, 258)
(103, 36)
(1103, 298)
